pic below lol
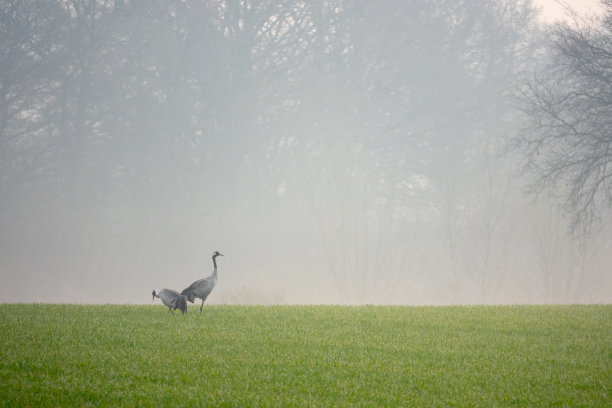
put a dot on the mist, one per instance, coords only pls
(337, 152)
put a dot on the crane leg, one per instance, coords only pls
(202, 305)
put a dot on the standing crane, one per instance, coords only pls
(202, 287)
(172, 299)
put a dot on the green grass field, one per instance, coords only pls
(70, 355)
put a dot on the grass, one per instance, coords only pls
(72, 355)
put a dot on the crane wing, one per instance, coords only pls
(168, 296)
(205, 287)
(191, 287)
(200, 288)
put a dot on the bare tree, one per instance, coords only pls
(568, 142)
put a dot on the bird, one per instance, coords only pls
(172, 299)
(202, 287)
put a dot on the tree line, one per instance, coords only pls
(351, 134)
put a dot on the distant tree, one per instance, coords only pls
(567, 271)
(417, 85)
(568, 142)
(27, 78)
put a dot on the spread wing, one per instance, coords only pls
(168, 297)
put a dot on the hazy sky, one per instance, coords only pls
(333, 155)
(552, 10)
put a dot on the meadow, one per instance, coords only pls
(316, 356)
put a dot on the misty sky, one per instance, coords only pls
(341, 152)
(553, 10)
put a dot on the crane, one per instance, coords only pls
(172, 299)
(202, 287)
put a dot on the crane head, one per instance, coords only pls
(216, 254)
(182, 304)
(154, 293)
(188, 295)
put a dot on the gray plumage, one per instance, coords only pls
(202, 287)
(172, 299)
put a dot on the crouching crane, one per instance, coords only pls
(172, 299)
(202, 287)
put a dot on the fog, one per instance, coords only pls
(337, 152)
(551, 11)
